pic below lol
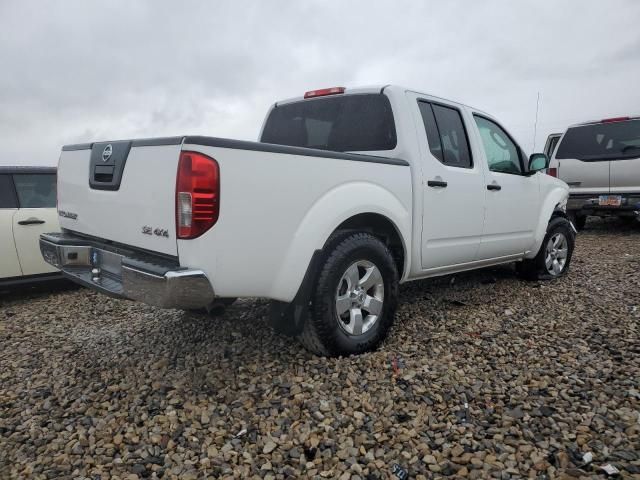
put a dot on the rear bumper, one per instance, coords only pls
(123, 273)
(588, 204)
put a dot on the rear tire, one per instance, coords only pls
(554, 257)
(355, 297)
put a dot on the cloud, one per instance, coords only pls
(80, 71)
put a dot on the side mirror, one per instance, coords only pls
(537, 162)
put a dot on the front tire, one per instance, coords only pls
(554, 257)
(580, 221)
(355, 298)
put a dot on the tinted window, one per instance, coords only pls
(7, 195)
(601, 141)
(552, 146)
(503, 155)
(36, 190)
(433, 137)
(344, 123)
(446, 135)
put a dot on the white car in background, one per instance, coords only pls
(600, 161)
(27, 209)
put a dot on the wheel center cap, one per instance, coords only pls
(358, 295)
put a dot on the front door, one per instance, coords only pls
(512, 199)
(452, 183)
(37, 214)
(9, 264)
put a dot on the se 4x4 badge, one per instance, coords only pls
(159, 232)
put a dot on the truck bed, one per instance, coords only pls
(273, 204)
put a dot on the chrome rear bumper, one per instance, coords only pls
(121, 273)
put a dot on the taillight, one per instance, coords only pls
(553, 172)
(324, 91)
(197, 194)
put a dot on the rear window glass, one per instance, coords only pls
(36, 190)
(601, 141)
(344, 123)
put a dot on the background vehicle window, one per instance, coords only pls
(7, 196)
(446, 135)
(343, 123)
(552, 147)
(36, 190)
(601, 141)
(502, 154)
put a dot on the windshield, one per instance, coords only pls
(602, 141)
(344, 123)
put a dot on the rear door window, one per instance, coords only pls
(7, 193)
(601, 141)
(446, 135)
(36, 190)
(342, 123)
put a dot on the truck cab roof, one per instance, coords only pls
(381, 88)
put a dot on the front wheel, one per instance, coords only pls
(580, 221)
(355, 297)
(554, 256)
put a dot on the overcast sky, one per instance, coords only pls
(88, 70)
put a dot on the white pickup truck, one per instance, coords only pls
(348, 193)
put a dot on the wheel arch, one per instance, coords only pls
(347, 206)
(350, 207)
(382, 228)
(554, 205)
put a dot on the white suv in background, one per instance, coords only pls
(27, 209)
(600, 161)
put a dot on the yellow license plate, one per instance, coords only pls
(610, 200)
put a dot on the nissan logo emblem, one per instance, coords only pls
(107, 152)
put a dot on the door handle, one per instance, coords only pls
(437, 183)
(31, 221)
(494, 186)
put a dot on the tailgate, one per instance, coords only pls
(121, 191)
(584, 177)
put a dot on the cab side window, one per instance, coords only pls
(446, 134)
(36, 190)
(503, 155)
(7, 194)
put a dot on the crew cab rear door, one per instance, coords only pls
(452, 186)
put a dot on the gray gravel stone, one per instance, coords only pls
(92, 387)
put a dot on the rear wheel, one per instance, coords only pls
(355, 297)
(554, 256)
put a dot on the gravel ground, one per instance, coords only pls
(97, 388)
